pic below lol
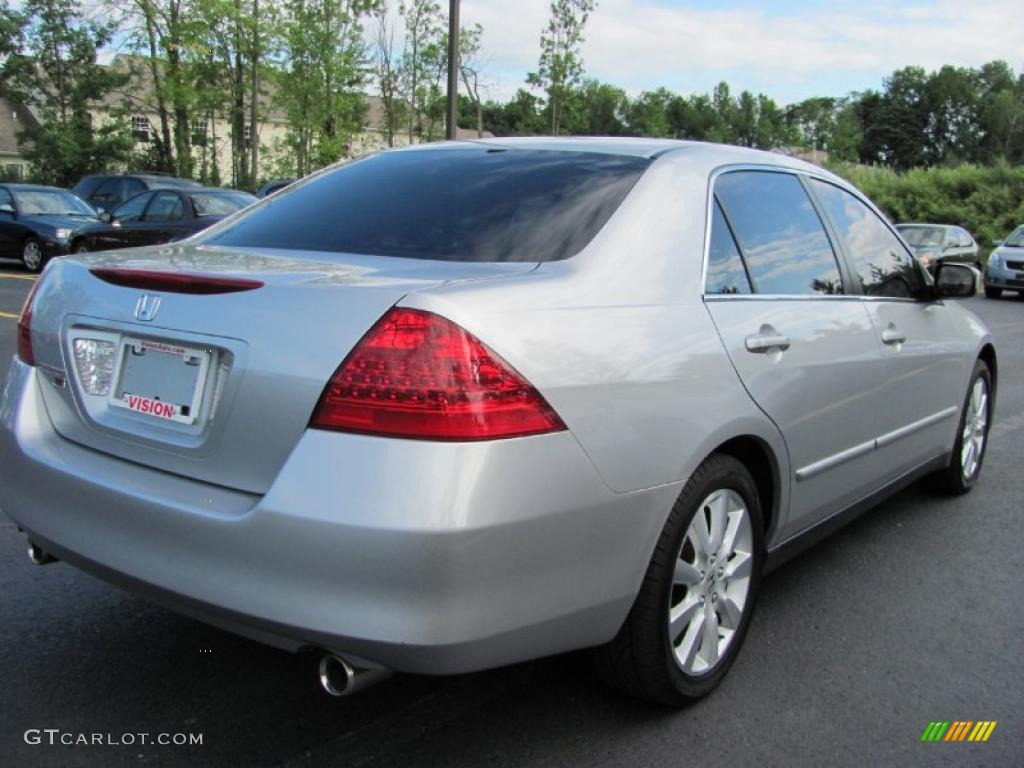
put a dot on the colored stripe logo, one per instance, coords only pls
(959, 730)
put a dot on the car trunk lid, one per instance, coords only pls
(212, 358)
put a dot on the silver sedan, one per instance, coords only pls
(456, 406)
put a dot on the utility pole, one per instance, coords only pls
(453, 69)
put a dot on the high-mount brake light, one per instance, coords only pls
(174, 282)
(418, 375)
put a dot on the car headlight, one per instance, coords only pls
(62, 233)
(996, 259)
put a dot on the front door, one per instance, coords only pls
(920, 400)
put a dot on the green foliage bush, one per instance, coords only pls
(988, 201)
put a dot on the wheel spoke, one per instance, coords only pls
(686, 574)
(731, 612)
(681, 616)
(709, 642)
(719, 520)
(700, 537)
(739, 567)
(731, 531)
(686, 651)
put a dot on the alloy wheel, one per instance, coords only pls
(975, 429)
(711, 582)
(32, 255)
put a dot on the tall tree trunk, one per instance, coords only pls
(166, 152)
(254, 155)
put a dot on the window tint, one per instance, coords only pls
(106, 191)
(131, 210)
(874, 252)
(725, 267)
(779, 233)
(463, 204)
(5, 198)
(166, 206)
(131, 188)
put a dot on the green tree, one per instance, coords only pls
(424, 29)
(560, 68)
(49, 64)
(318, 88)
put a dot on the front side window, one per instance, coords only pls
(6, 199)
(131, 210)
(726, 274)
(875, 253)
(779, 233)
(166, 206)
(474, 203)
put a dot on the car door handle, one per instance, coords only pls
(765, 342)
(892, 335)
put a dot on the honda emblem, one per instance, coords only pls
(146, 307)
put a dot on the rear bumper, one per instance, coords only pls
(424, 557)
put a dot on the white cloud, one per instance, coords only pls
(825, 48)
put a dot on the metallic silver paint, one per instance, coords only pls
(450, 557)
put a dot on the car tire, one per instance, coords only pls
(663, 659)
(32, 255)
(80, 247)
(971, 436)
(993, 293)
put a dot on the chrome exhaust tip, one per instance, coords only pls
(39, 556)
(339, 677)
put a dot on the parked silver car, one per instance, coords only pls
(481, 402)
(935, 243)
(1005, 268)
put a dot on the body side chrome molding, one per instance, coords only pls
(804, 473)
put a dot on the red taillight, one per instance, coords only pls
(174, 282)
(417, 375)
(25, 326)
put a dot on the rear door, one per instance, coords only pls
(919, 401)
(163, 217)
(804, 348)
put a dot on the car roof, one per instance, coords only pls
(36, 187)
(708, 153)
(926, 224)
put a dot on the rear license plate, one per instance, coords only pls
(159, 380)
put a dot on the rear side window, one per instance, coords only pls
(873, 251)
(779, 233)
(726, 274)
(166, 206)
(464, 204)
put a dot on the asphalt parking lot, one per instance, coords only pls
(913, 613)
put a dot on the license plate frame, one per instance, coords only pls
(177, 401)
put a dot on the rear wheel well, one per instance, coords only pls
(760, 462)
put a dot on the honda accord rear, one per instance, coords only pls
(437, 410)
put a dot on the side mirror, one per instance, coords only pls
(7, 208)
(956, 281)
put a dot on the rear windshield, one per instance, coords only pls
(465, 204)
(208, 203)
(921, 237)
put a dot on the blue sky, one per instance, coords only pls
(789, 49)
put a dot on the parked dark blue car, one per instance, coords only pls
(37, 223)
(160, 216)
